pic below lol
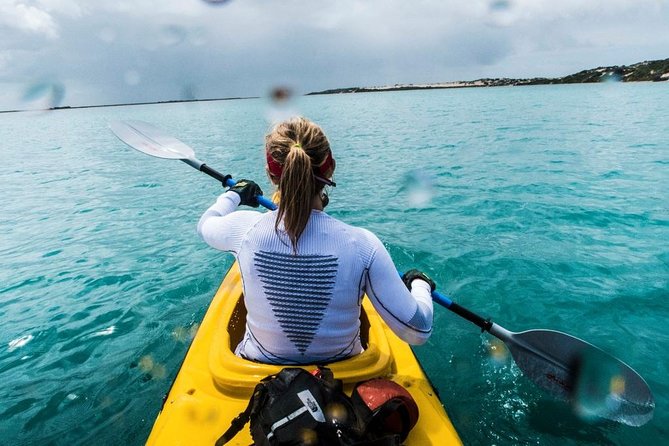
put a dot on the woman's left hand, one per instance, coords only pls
(248, 191)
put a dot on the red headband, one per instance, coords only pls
(276, 169)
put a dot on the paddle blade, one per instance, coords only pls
(148, 139)
(598, 384)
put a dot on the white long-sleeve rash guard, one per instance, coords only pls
(305, 307)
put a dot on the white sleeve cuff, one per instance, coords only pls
(231, 196)
(422, 292)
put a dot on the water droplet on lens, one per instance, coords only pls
(217, 2)
(280, 106)
(280, 94)
(336, 413)
(191, 413)
(498, 352)
(179, 334)
(612, 76)
(173, 35)
(501, 13)
(212, 416)
(146, 363)
(308, 437)
(188, 92)
(598, 387)
(106, 402)
(159, 371)
(500, 5)
(419, 188)
(617, 385)
(44, 95)
(183, 334)
(193, 331)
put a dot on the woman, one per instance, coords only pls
(305, 272)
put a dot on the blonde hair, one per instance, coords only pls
(298, 147)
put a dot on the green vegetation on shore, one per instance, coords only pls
(648, 71)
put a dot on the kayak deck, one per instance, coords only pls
(214, 386)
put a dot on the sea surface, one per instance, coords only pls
(539, 207)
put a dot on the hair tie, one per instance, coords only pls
(296, 145)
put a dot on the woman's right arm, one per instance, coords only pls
(408, 314)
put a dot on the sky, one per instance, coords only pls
(92, 52)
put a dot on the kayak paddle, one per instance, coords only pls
(594, 381)
(563, 365)
(148, 139)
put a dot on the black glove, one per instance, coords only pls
(247, 191)
(413, 274)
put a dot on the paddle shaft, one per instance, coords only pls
(496, 330)
(443, 300)
(225, 179)
(152, 141)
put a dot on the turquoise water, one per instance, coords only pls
(540, 207)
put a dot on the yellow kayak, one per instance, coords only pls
(214, 386)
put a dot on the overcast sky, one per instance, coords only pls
(95, 52)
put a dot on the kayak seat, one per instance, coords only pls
(235, 375)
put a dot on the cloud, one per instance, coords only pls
(26, 18)
(70, 8)
(136, 50)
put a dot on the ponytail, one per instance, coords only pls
(295, 150)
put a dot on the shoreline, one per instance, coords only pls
(468, 84)
(647, 71)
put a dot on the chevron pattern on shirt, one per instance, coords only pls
(299, 289)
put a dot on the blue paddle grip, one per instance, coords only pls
(264, 202)
(441, 299)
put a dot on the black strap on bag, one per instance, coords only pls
(238, 423)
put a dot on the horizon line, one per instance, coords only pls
(169, 101)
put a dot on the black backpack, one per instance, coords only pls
(295, 407)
